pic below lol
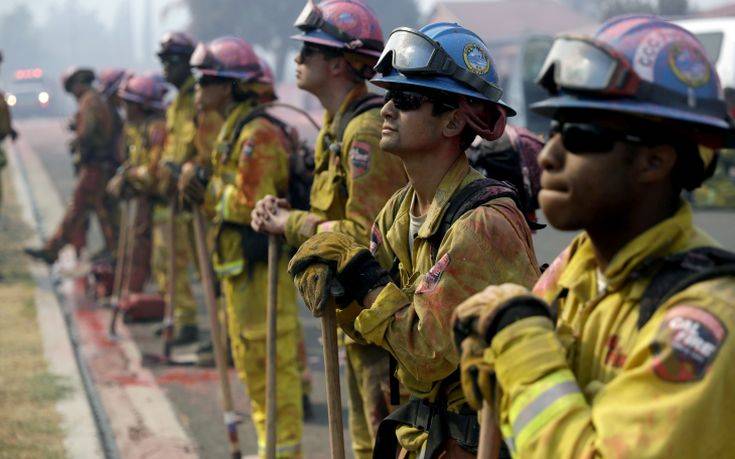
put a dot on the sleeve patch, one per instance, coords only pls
(360, 158)
(432, 278)
(375, 239)
(686, 344)
(247, 150)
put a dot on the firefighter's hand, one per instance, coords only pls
(354, 268)
(270, 215)
(314, 284)
(192, 183)
(476, 372)
(484, 314)
(116, 186)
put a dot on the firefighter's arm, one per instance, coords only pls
(482, 247)
(5, 126)
(262, 163)
(672, 398)
(87, 122)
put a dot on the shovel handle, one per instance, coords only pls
(334, 394)
(490, 438)
(270, 374)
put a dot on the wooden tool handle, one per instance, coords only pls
(334, 394)
(490, 438)
(270, 374)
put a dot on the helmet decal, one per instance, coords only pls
(689, 64)
(476, 59)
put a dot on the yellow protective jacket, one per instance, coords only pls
(244, 170)
(597, 385)
(144, 143)
(411, 317)
(351, 184)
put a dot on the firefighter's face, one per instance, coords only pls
(312, 68)
(211, 94)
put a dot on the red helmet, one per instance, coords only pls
(267, 76)
(346, 24)
(72, 74)
(147, 90)
(110, 79)
(227, 57)
(180, 43)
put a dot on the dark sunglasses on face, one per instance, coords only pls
(173, 59)
(590, 138)
(307, 50)
(206, 80)
(406, 101)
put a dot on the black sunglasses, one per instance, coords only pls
(307, 50)
(590, 138)
(407, 101)
(208, 80)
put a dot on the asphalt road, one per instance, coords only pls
(194, 391)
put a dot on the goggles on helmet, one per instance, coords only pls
(411, 52)
(312, 18)
(587, 65)
(584, 64)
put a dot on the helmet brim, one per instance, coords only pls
(440, 83)
(550, 106)
(319, 37)
(232, 74)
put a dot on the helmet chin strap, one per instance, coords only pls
(479, 117)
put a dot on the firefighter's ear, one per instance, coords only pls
(453, 124)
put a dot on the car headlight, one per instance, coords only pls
(11, 99)
(43, 97)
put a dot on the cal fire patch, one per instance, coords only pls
(359, 158)
(375, 239)
(687, 344)
(432, 278)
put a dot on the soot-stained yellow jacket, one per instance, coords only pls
(245, 170)
(411, 316)
(144, 143)
(597, 385)
(351, 184)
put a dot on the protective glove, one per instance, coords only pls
(193, 183)
(329, 257)
(476, 321)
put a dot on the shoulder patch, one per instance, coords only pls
(430, 279)
(686, 344)
(360, 158)
(247, 150)
(375, 239)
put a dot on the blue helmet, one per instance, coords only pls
(442, 56)
(641, 65)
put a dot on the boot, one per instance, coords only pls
(48, 256)
(205, 355)
(308, 410)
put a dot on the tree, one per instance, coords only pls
(269, 24)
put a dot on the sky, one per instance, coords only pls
(106, 9)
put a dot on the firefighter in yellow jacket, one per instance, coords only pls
(144, 137)
(250, 161)
(174, 53)
(6, 130)
(435, 243)
(353, 177)
(623, 349)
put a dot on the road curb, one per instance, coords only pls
(81, 437)
(130, 414)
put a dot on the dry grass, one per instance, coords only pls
(29, 422)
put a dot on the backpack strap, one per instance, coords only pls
(469, 198)
(678, 272)
(357, 107)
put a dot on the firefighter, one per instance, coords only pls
(437, 241)
(353, 177)
(621, 349)
(6, 130)
(174, 52)
(142, 99)
(93, 152)
(249, 161)
(110, 80)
